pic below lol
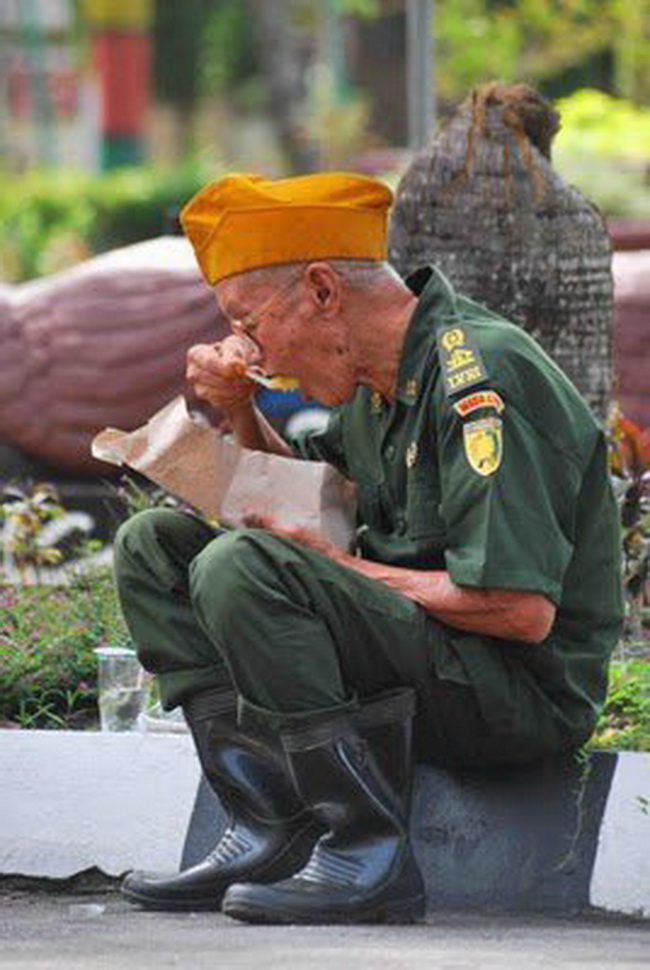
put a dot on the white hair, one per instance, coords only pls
(359, 274)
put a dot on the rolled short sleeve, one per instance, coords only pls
(508, 501)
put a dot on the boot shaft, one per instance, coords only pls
(247, 771)
(385, 721)
(354, 770)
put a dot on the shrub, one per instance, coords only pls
(603, 147)
(625, 720)
(53, 219)
(600, 125)
(48, 632)
(47, 636)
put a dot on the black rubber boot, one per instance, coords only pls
(270, 833)
(385, 722)
(362, 870)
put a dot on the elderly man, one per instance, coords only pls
(481, 601)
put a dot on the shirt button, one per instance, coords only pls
(390, 452)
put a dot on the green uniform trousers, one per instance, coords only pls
(295, 632)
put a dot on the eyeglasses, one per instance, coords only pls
(247, 325)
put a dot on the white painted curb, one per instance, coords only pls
(620, 880)
(74, 799)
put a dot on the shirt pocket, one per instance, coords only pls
(422, 502)
(372, 511)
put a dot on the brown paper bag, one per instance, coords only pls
(185, 455)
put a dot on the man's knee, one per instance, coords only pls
(151, 530)
(143, 527)
(237, 566)
(155, 547)
(221, 565)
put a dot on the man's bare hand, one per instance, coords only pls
(305, 537)
(217, 373)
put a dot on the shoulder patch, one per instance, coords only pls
(460, 360)
(479, 399)
(483, 441)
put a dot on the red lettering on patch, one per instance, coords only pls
(480, 399)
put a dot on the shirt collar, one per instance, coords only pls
(437, 304)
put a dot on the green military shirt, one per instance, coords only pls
(489, 464)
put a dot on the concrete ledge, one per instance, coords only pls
(72, 800)
(558, 838)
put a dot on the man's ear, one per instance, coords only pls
(324, 287)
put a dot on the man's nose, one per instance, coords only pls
(251, 350)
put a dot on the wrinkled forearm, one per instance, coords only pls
(508, 614)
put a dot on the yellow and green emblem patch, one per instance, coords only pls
(483, 440)
(460, 360)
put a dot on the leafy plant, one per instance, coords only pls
(137, 494)
(25, 512)
(48, 632)
(625, 720)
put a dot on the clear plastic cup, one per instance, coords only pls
(155, 719)
(123, 686)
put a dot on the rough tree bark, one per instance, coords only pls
(483, 203)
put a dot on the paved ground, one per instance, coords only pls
(45, 931)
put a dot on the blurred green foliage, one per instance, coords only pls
(176, 37)
(625, 721)
(603, 147)
(598, 124)
(227, 50)
(53, 219)
(48, 630)
(543, 43)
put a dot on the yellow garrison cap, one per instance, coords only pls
(244, 222)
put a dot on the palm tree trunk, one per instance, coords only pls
(484, 204)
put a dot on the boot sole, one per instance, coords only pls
(166, 905)
(403, 911)
(292, 857)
